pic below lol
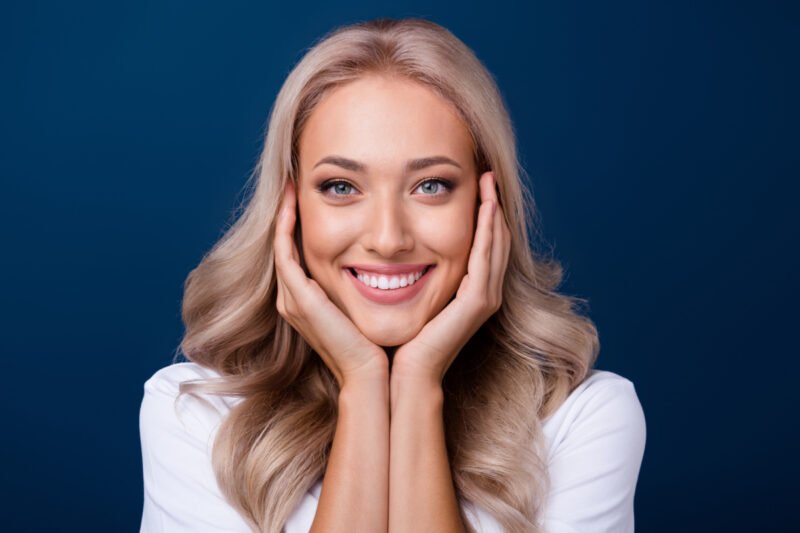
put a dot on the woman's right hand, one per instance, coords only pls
(301, 301)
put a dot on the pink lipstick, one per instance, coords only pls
(388, 295)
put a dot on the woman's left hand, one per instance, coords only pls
(428, 355)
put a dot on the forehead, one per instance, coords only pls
(384, 121)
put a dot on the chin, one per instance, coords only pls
(389, 339)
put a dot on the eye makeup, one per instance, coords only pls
(325, 187)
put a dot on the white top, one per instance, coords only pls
(595, 444)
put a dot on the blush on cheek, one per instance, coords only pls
(324, 240)
(460, 239)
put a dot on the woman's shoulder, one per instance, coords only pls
(604, 400)
(603, 385)
(169, 378)
(164, 405)
(597, 440)
(177, 435)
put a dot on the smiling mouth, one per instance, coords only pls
(425, 271)
(391, 293)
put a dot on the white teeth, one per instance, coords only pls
(389, 282)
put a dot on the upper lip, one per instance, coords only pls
(406, 268)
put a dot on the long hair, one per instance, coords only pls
(511, 375)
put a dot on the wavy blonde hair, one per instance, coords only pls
(513, 373)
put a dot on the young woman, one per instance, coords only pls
(373, 345)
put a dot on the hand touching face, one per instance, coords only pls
(427, 357)
(301, 302)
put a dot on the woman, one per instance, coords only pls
(379, 293)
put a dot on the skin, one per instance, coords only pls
(386, 215)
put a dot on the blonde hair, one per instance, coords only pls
(513, 373)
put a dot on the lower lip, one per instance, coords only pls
(390, 296)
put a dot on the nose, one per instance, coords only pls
(388, 231)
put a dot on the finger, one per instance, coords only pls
(284, 230)
(283, 227)
(286, 263)
(500, 245)
(478, 265)
(506, 254)
(292, 213)
(287, 216)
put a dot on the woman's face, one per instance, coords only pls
(386, 210)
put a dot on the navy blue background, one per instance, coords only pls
(662, 142)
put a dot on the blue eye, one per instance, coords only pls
(324, 187)
(444, 186)
(338, 185)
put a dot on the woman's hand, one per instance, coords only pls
(303, 303)
(428, 355)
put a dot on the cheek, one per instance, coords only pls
(326, 234)
(323, 237)
(450, 235)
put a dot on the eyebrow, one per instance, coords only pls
(411, 165)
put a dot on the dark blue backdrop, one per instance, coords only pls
(662, 142)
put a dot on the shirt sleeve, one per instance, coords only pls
(181, 493)
(594, 469)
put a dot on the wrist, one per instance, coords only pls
(376, 370)
(410, 375)
(366, 380)
(422, 390)
(358, 396)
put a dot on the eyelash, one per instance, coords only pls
(323, 187)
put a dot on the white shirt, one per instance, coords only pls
(595, 443)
